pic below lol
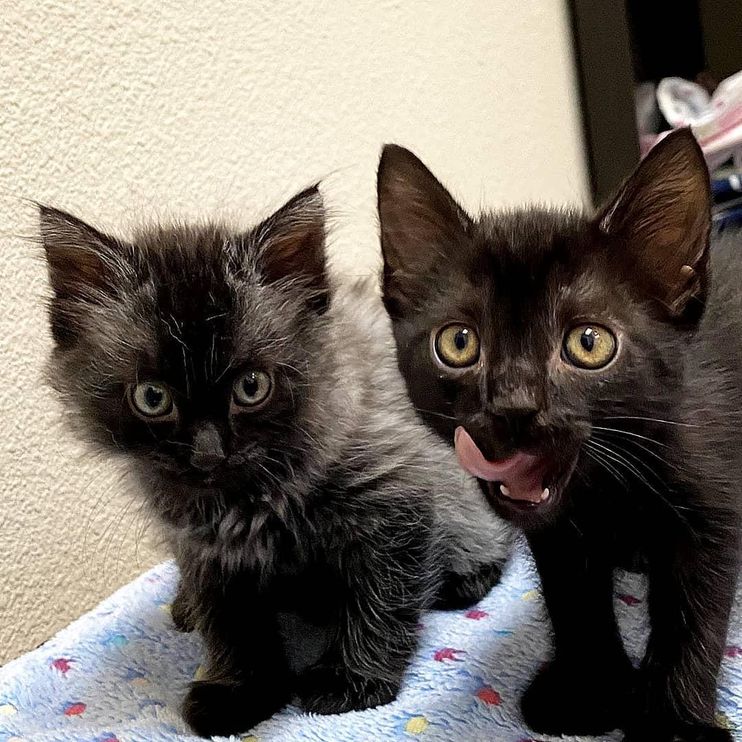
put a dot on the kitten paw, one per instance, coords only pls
(563, 700)
(224, 708)
(331, 690)
(460, 591)
(679, 733)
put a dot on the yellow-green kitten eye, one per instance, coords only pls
(590, 346)
(457, 346)
(252, 388)
(151, 400)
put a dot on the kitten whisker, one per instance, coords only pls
(630, 433)
(285, 364)
(108, 494)
(637, 458)
(212, 357)
(437, 414)
(599, 459)
(576, 527)
(225, 370)
(112, 531)
(621, 459)
(651, 420)
(638, 444)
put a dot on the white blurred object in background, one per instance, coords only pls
(716, 120)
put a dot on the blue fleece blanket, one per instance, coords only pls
(120, 672)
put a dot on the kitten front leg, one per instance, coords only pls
(690, 600)
(459, 591)
(586, 688)
(478, 544)
(181, 610)
(377, 634)
(246, 679)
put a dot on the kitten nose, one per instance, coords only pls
(208, 452)
(514, 417)
(515, 423)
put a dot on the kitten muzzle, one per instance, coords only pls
(522, 477)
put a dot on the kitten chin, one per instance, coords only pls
(312, 516)
(587, 371)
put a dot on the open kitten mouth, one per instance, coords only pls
(523, 481)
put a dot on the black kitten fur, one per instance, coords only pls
(640, 454)
(266, 421)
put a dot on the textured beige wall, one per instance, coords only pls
(123, 111)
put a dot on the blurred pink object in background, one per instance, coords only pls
(716, 120)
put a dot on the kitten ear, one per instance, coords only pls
(78, 256)
(421, 225)
(662, 215)
(292, 244)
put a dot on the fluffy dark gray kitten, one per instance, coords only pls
(312, 517)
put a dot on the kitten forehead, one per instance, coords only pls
(528, 268)
(199, 307)
(529, 235)
(222, 307)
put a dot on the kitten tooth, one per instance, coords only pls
(505, 491)
(545, 494)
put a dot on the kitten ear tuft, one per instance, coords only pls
(420, 222)
(78, 255)
(292, 244)
(662, 216)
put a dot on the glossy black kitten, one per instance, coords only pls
(262, 412)
(589, 372)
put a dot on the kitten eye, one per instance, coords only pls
(252, 388)
(590, 346)
(151, 400)
(457, 346)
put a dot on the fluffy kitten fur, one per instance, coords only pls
(642, 457)
(311, 530)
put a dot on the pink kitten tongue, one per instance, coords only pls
(522, 473)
